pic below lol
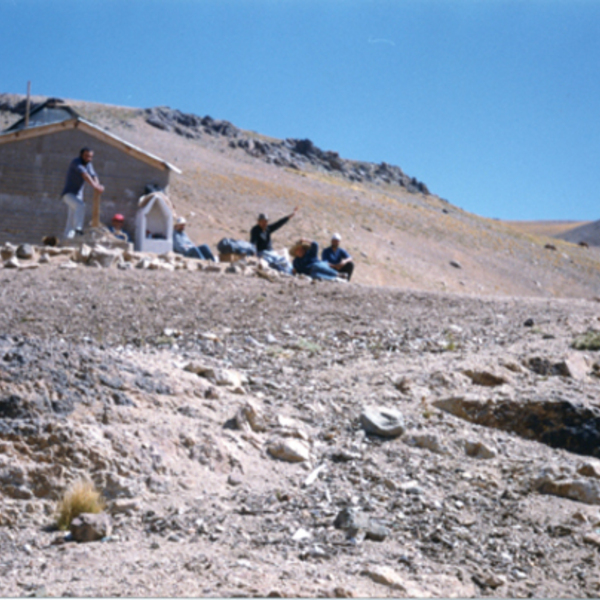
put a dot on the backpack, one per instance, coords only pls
(230, 246)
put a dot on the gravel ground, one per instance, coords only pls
(172, 391)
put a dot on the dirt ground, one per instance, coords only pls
(172, 390)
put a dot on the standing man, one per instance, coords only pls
(337, 257)
(80, 171)
(260, 236)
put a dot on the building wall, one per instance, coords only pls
(32, 176)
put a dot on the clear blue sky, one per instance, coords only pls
(494, 104)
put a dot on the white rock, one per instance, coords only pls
(289, 450)
(382, 421)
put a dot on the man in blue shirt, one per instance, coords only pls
(337, 257)
(182, 244)
(306, 261)
(81, 171)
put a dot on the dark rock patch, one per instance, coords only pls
(558, 424)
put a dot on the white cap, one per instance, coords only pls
(180, 221)
(336, 236)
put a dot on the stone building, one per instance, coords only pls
(33, 164)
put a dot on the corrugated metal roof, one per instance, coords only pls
(15, 133)
(51, 111)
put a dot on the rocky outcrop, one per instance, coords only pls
(559, 424)
(298, 154)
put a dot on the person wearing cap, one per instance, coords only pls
(337, 257)
(116, 228)
(260, 237)
(306, 262)
(182, 244)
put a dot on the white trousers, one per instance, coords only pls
(75, 216)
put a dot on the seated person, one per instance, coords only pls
(306, 261)
(260, 236)
(183, 245)
(116, 228)
(337, 257)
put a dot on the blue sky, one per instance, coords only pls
(494, 104)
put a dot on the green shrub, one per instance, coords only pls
(590, 340)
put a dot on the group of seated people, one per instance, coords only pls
(335, 262)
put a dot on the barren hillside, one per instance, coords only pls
(398, 237)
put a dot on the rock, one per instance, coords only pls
(411, 487)
(301, 535)
(44, 258)
(341, 592)
(106, 257)
(592, 538)
(222, 377)
(249, 417)
(25, 251)
(289, 450)
(355, 522)
(235, 479)
(158, 485)
(479, 450)
(382, 421)
(589, 469)
(90, 527)
(576, 367)
(8, 251)
(429, 441)
(557, 423)
(11, 263)
(386, 576)
(490, 580)
(485, 378)
(314, 475)
(125, 505)
(581, 490)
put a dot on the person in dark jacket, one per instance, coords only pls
(260, 236)
(306, 262)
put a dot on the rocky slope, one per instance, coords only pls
(224, 419)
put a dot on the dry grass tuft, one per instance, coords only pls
(81, 497)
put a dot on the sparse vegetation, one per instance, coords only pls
(590, 340)
(81, 497)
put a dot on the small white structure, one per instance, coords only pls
(154, 224)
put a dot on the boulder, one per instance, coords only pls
(289, 450)
(25, 251)
(485, 378)
(385, 422)
(478, 450)
(429, 441)
(582, 490)
(11, 263)
(90, 527)
(8, 251)
(106, 257)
